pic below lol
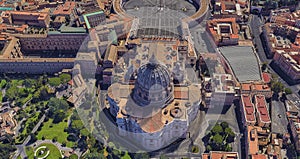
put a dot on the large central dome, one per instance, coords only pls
(153, 85)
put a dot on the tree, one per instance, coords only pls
(28, 83)
(217, 129)
(71, 137)
(82, 144)
(228, 148)
(217, 139)
(3, 83)
(59, 116)
(277, 87)
(208, 148)
(5, 150)
(288, 91)
(54, 81)
(11, 93)
(40, 94)
(32, 138)
(77, 125)
(230, 135)
(91, 141)
(65, 77)
(94, 155)
(56, 106)
(54, 139)
(224, 125)
(264, 66)
(84, 132)
(141, 155)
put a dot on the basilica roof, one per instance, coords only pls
(153, 75)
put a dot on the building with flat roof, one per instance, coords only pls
(223, 31)
(40, 52)
(223, 90)
(11, 48)
(220, 155)
(252, 141)
(39, 19)
(35, 65)
(79, 86)
(94, 19)
(65, 39)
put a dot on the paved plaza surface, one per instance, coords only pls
(159, 18)
(181, 6)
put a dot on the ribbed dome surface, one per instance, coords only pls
(152, 76)
(153, 85)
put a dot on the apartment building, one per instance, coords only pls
(295, 129)
(220, 155)
(254, 88)
(289, 62)
(38, 19)
(262, 112)
(248, 110)
(65, 39)
(35, 65)
(94, 19)
(223, 31)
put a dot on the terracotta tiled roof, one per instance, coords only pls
(262, 109)
(259, 156)
(248, 107)
(266, 77)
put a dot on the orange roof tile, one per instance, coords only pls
(261, 106)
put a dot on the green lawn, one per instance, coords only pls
(29, 152)
(19, 157)
(56, 131)
(54, 152)
(73, 156)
